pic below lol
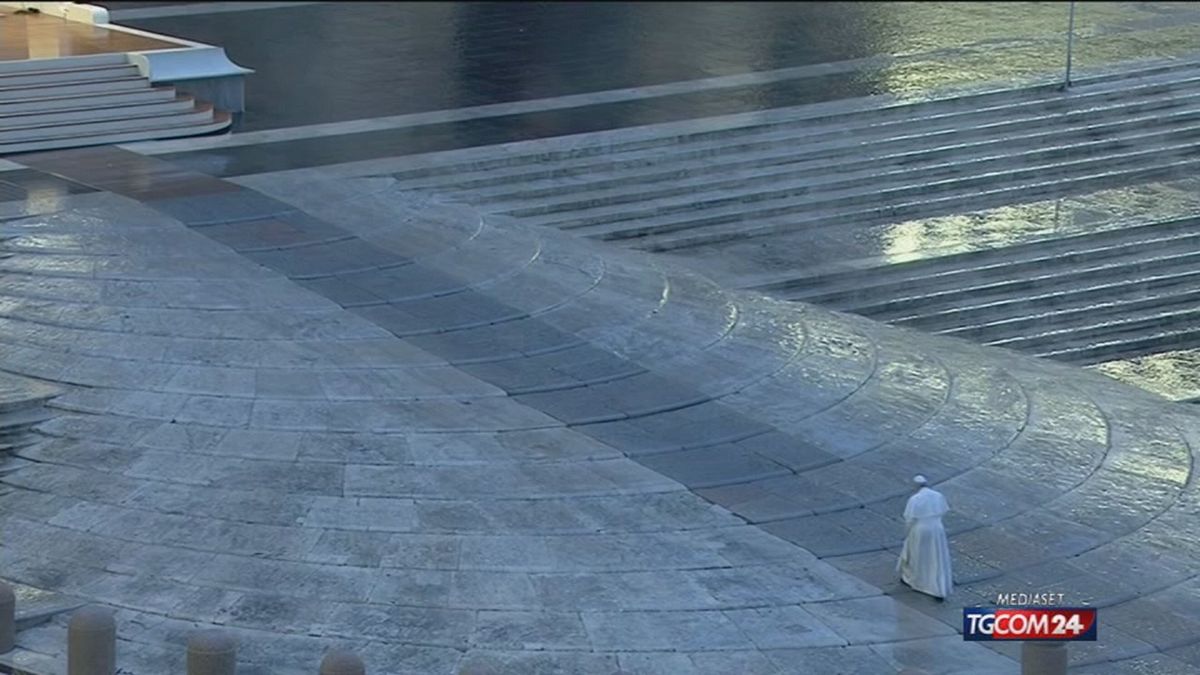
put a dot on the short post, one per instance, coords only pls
(340, 662)
(1043, 658)
(211, 652)
(8, 618)
(92, 642)
(1070, 44)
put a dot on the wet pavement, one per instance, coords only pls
(467, 445)
(318, 408)
(488, 446)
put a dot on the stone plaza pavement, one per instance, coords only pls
(326, 411)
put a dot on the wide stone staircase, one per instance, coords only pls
(1083, 299)
(798, 188)
(92, 100)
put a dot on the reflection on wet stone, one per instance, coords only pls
(403, 407)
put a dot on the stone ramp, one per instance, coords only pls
(339, 412)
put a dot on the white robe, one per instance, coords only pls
(925, 558)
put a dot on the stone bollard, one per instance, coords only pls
(1043, 658)
(8, 618)
(211, 652)
(92, 642)
(339, 662)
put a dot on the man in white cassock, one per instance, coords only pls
(924, 563)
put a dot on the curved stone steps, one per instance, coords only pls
(848, 529)
(160, 293)
(1100, 576)
(462, 311)
(441, 311)
(633, 293)
(1138, 487)
(713, 442)
(839, 359)
(576, 579)
(29, 345)
(415, 524)
(430, 381)
(630, 384)
(723, 421)
(116, 268)
(442, 415)
(628, 354)
(1147, 469)
(992, 404)
(1080, 516)
(566, 653)
(231, 316)
(417, 281)
(314, 324)
(907, 387)
(118, 531)
(382, 214)
(752, 351)
(58, 336)
(667, 403)
(483, 253)
(366, 485)
(478, 521)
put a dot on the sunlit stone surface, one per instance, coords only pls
(385, 406)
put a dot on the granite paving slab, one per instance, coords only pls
(643, 471)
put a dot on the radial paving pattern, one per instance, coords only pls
(332, 411)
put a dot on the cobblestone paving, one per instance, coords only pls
(326, 411)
